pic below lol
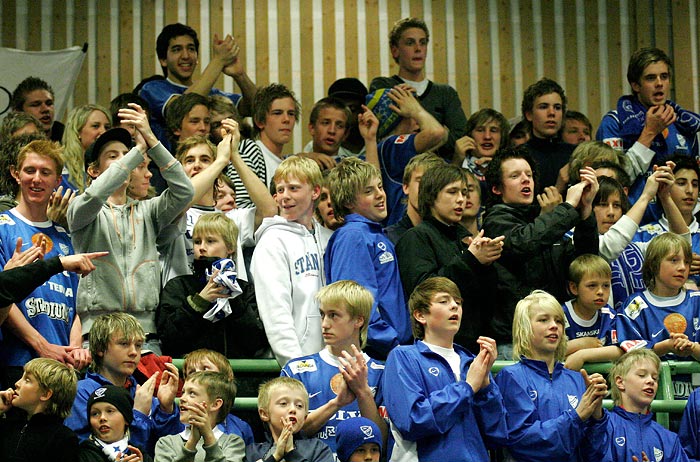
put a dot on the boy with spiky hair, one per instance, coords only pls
(36, 97)
(115, 345)
(206, 400)
(32, 430)
(360, 251)
(275, 112)
(295, 242)
(282, 405)
(342, 381)
(441, 399)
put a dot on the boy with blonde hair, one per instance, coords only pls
(631, 433)
(282, 405)
(210, 360)
(360, 251)
(206, 399)
(116, 340)
(193, 308)
(44, 394)
(287, 264)
(342, 381)
(590, 321)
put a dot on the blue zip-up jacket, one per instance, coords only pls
(689, 431)
(542, 421)
(445, 419)
(627, 434)
(144, 430)
(359, 250)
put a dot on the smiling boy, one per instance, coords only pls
(177, 47)
(296, 243)
(360, 251)
(32, 329)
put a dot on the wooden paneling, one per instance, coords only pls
(663, 23)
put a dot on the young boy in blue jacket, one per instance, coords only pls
(631, 433)
(360, 251)
(441, 399)
(115, 346)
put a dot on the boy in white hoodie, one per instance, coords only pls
(287, 263)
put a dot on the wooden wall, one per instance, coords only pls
(489, 50)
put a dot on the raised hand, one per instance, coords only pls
(21, 258)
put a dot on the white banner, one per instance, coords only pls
(59, 68)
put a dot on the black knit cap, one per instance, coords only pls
(117, 397)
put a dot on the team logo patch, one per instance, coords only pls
(573, 401)
(64, 248)
(386, 257)
(6, 220)
(620, 441)
(532, 394)
(635, 307)
(401, 139)
(304, 365)
(367, 431)
(434, 371)
(658, 455)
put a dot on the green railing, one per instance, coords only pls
(662, 405)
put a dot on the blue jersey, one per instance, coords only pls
(394, 154)
(542, 421)
(157, 93)
(649, 231)
(50, 308)
(644, 319)
(627, 434)
(627, 274)
(601, 326)
(319, 374)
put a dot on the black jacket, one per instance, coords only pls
(536, 254)
(551, 155)
(183, 329)
(43, 437)
(89, 451)
(435, 249)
